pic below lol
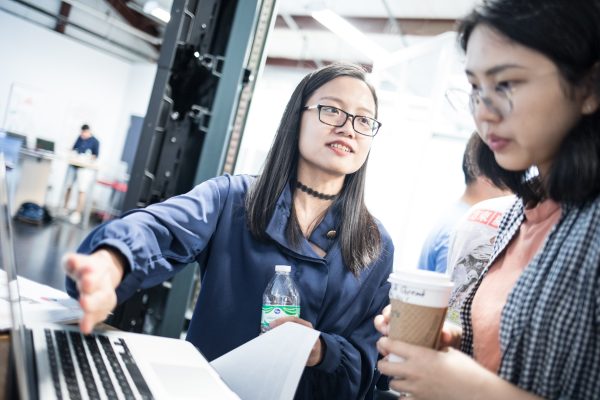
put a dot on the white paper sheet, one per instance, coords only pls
(270, 366)
(39, 303)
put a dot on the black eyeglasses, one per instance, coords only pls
(337, 117)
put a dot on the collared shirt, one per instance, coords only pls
(208, 225)
(550, 325)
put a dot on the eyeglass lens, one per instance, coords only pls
(496, 101)
(499, 102)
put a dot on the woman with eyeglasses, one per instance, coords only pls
(306, 210)
(531, 326)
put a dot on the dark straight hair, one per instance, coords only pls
(469, 164)
(568, 33)
(359, 236)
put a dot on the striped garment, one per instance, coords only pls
(550, 324)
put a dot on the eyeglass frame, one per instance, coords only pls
(475, 96)
(348, 115)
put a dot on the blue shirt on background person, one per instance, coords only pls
(208, 225)
(434, 254)
(83, 145)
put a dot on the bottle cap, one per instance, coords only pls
(283, 268)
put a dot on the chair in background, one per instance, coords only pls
(116, 180)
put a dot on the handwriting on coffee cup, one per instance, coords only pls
(407, 292)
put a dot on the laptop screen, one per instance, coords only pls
(18, 339)
(45, 145)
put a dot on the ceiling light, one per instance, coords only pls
(152, 8)
(350, 34)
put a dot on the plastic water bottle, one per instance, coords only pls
(281, 298)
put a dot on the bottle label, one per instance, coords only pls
(272, 312)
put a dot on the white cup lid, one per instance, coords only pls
(283, 268)
(420, 287)
(419, 276)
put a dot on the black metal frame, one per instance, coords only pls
(200, 75)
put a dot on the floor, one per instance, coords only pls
(39, 250)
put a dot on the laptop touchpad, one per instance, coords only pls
(186, 382)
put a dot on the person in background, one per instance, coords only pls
(86, 143)
(531, 324)
(306, 209)
(472, 238)
(477, 188)
(470, 247)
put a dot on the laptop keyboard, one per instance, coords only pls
(95, 356)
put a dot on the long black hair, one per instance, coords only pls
(359, 236)
(568, 33)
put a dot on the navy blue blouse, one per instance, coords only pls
(208, 224)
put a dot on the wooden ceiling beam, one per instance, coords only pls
(134, 18)
(61, 23)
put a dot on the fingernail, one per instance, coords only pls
(65, 259)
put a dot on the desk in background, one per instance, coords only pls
(34, 171)
(87, 175)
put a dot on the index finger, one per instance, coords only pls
(74, 264)
(381, 325)
(450, 336)
(387, 312)
(382, 321)
(405, 350)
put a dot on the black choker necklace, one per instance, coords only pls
(314, 193)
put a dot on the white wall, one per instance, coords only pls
(70, 84)
(272, 92)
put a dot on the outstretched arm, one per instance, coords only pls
(144, 248)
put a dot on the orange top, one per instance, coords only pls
(502, 276)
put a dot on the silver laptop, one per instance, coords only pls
(57, 362)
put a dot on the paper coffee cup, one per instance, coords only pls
(419, 302)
